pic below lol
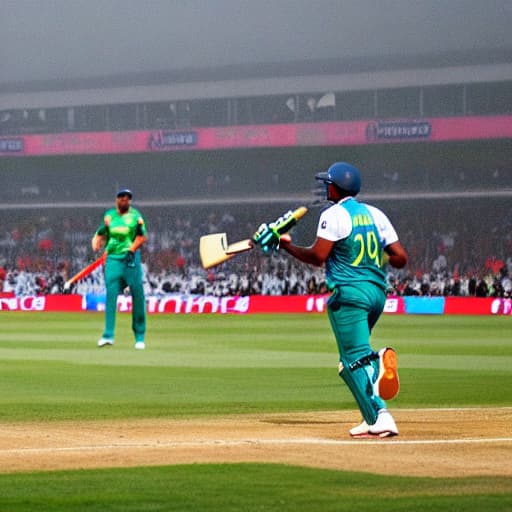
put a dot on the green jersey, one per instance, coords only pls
(120, 230)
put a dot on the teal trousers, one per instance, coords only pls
(117, 277)
(353, 310)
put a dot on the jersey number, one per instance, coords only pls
(368, 248)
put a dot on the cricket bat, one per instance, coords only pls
(214, 249)
(85, 271)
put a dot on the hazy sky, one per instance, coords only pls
(54, 39)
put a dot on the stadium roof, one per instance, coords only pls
(269, 70)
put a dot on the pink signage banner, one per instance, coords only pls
(347, 133)
(189, 304)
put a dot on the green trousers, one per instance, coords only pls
(353, 311)
(117, 277)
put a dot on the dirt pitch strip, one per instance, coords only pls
(432, 442)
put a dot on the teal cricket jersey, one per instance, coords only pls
(358, 256)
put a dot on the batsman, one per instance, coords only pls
(354, 241)
(121, 234)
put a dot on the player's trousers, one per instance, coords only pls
(353, 310)
(117, 277)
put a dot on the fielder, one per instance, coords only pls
(355, 240)
(122, 233)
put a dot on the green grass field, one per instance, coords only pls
(213, 365)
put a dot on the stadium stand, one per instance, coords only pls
(450, 201)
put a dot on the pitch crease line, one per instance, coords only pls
(456, 409)
(259, 442)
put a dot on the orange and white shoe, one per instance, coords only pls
(387, 384)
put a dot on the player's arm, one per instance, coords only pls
(328, 232)
(140, 239)
(138, 242)
(315, 254)
(397, 255)
(140, 235)
(98, 242)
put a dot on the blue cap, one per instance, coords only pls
(125, 192)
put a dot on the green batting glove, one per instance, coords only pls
(267, 238)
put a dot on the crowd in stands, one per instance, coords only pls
(39, 253)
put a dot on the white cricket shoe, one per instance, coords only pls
(385, 425)
(105, 342)
(360, 430)
(140, 345)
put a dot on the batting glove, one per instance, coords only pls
(267, 238)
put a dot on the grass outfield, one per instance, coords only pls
(213, 365)
(246, 488)
(51, 369)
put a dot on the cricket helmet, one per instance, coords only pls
(344, 176)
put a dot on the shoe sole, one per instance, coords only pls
(369, 435)
(388, 383)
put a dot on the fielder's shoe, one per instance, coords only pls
(140, 345)
(105, 342)
(385, 425)
(387, 384)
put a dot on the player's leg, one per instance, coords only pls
(377, 419)
(350, 327)
(352, 312)
(133, 277)
(113, 276)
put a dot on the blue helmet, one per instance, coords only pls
(345, 176)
